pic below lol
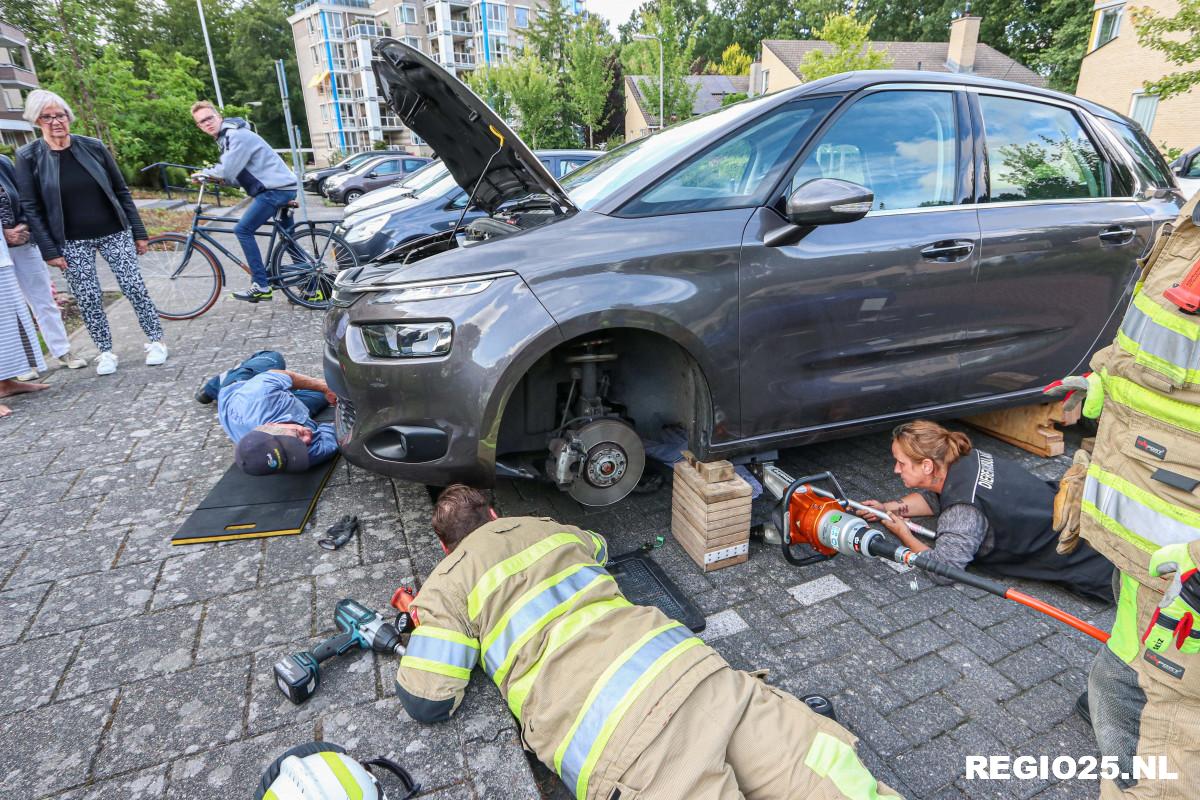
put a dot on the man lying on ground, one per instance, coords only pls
(618, 699)
(268, 411)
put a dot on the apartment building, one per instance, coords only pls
(1116, 67)
(17, 78)
(333, 49)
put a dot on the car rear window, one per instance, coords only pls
(1150, 164)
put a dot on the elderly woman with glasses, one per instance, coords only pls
(78, 205)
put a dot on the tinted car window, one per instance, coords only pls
(412, 164)
(387, 168)
(1038, 152)
(1149, 162)
(900, 145)
(739, 171)
(570, 165)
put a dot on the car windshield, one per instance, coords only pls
(592, 183)
(425, 177)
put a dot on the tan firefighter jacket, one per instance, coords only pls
(1143, 486)
(577, 664)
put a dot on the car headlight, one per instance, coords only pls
(434, 290)
(365, 230)
(407, 339)
(336, 181)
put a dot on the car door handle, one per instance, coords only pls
(948, 251)
(1117, 235)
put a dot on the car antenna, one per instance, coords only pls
(478, 183)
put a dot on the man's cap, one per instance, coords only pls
(262, 453)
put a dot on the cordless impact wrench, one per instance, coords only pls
(298, 675)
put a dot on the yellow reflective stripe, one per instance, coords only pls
(567, 629)
(1152, 404)
(614, 717)
(270, 795)
(550, 616)
(599, 685)
(510, 566)
(1176, 373)
(1148, 499)
(830, 757)
(436, 667)
(519, 603)
(446, 634)
(1126, 639)
(349, 785)
(1168, 319)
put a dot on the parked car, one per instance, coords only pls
(1186, 170)
(403, 187)
(436, 206)
(371, 174)
(834, 258)
(315, 179)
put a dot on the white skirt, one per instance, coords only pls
(20, 351)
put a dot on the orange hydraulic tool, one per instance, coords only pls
(1186, 295)
(827, 526)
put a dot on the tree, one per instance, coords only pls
(851, 49)
(486, 83)
(642, 57)
(1163, 34)
(589, 74)
(734, 61)
(534, 99)
(259, 35)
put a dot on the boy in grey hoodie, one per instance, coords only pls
(248, 160)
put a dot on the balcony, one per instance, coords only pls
(464, 60)
(12, 36)
(461, 27)
(366, 31)
(11, 73)
(303, 4)
(390, 121)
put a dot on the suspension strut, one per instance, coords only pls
(823, 521)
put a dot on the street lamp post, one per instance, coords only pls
(646, 37)
(212, 65)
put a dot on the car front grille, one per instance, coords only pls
(344, 420)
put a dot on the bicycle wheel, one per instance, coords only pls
(305, 270)
(182, 284)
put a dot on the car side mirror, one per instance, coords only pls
(828, 201)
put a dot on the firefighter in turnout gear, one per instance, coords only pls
(1139, 506)
(618, 699)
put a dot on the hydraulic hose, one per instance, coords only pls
(884, 546)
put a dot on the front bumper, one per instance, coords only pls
(434, 420)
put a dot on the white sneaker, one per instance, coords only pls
(106, 364)
(72, 361)
(156, 353)
(27, 376)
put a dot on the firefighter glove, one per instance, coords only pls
(1174, 623)
(1069, 501)
(1075, 389)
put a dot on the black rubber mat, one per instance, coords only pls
(643, 582)
(245, 506)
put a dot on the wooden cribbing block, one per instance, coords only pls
(710, 513)
(1028, 427)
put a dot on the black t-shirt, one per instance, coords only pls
(87, 212)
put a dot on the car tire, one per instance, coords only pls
(351, 196)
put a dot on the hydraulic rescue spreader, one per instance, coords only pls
(823, 521)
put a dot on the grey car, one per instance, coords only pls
(830, 259)
(371, 174)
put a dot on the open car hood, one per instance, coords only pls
(461, 129)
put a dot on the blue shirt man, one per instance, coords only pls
(267, 411)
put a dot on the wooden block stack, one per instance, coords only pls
(710, 513)
(1028, 427)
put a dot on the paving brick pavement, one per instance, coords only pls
(134, 669)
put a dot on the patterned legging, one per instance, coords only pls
(118, 250)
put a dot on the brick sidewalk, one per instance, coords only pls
(137, 670)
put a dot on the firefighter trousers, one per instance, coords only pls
(736, 737)
(1145, 704)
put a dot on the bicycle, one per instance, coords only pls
(184, 277)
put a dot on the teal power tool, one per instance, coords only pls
(298, 675)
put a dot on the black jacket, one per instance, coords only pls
(37, 182)
(8, 181)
